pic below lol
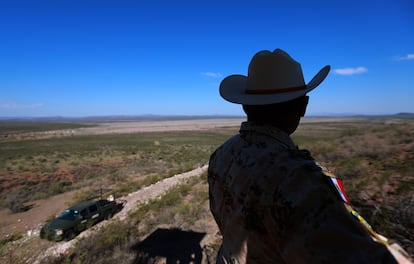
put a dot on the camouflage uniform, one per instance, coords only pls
(273, 204)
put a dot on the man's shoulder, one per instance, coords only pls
(231, 142)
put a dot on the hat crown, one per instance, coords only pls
(273, 77)
(273, 70)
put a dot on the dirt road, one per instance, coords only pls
(133, 200)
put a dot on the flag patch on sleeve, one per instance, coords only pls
(340, 188)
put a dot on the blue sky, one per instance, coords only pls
(87, 58)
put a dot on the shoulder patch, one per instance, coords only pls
(337, 183)
(340, 188)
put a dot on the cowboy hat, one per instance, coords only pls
(273, 77)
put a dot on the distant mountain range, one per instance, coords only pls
(407, 115)
(120, 118)
(116, 118)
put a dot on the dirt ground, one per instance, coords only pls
(159, 126)
(132, 200)
(29, 222)
(126, 127)
(41, 210)
(26, 222)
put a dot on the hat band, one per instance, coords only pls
(275, 91)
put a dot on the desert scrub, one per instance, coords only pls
(180, 207)
(88, 160)
(102, 243)
(16, 201)
(349, 168)
(110, 244)
(10, 238)
(184, 204)
(22, 127)
(133, 184)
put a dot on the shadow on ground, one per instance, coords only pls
(170, 246)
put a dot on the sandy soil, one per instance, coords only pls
(132, 200)
(126, 127)
(159, 126)
(29, 222)
(43, 209)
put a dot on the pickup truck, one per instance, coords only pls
(77, 218)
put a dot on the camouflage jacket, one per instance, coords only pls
(273, 204)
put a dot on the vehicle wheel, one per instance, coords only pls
(69, 235)
(108, 216)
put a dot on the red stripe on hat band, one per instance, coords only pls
(275, 91)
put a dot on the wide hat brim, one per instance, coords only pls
(233, 89)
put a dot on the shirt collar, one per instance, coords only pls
(270, 131)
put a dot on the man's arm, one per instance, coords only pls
(320, 229)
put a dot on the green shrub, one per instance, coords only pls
(16, 200)
(10, 238)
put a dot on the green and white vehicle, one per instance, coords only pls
(77, 218)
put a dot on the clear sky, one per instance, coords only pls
(79, 58)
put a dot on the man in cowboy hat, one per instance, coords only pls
(272, 202)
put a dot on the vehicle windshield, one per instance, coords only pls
(68, 214)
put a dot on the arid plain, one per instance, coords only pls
(47, 166)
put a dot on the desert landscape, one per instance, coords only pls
(159, 168)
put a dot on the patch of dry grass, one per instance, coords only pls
(42, 168)
(182, 207)
(375, 158)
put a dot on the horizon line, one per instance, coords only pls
(179, 117)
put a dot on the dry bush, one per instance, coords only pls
(181, 207)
